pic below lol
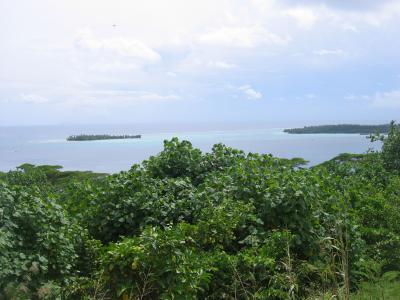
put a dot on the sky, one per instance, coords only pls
(127, 61)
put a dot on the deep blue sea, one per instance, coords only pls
(48, 145)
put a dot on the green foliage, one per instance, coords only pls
(39, 245)
(27, 175)
(158, 264)
(179, 159)
(341, 128)
(390, 148)
(96, 137)
(133, 200)
(177, 262)
(383, 289)
(386, 287)
(48, 177)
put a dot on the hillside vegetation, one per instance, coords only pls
(341, 128)
(191, 225)
(99, 137)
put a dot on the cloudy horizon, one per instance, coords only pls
(125, 61)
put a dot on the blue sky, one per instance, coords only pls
(304, 62)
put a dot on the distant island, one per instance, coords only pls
(341, 128)
(96, 137)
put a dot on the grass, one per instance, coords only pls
(382, 290)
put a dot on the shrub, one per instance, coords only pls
(40, 247)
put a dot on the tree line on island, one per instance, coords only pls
(224, 224)
(341, 128)
(95, 137)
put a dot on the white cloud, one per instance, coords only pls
(33, 99)
(104, 97)
(98, 98)
(118, 46)
(389, 99)
(305, 17)
(333, 52)
(221, 65)
(350, 97)
(359, 98)
(364, 98)
(194, 48)
(250, 92)
(148, 96)
(115, 66)
(350, 27)
(242, 37)
(198, 65)
(171, 74)
(311, 96)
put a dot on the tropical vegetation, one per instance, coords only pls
(341, 128)
(218, 225)
(95, 137)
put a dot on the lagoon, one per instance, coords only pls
(48, 145)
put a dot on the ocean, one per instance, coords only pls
(47, 144)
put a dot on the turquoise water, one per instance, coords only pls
(47, 145)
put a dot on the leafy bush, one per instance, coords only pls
(40, 247)
(390, 147)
